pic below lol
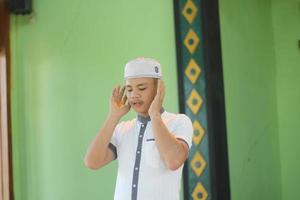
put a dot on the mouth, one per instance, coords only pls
(137, 103)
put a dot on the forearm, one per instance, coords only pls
(171, 149)
(98, 148)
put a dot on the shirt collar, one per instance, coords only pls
(146, 119)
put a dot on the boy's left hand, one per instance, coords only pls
(157, 102)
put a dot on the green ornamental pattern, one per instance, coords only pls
(193, 71)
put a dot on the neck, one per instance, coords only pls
(144, 114)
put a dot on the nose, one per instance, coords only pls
(135, 94)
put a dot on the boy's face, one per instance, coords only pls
(140, 93)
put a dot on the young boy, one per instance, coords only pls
(151, 148)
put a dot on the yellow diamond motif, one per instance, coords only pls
(198, 132)
(199, 192)
(191, 41)
(194, 101)
(193, 71)
(198, 163)
(189, 11)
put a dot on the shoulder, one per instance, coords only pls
(183, 117)
(176, 116)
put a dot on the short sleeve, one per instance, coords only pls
(183, 129)
(114, 142)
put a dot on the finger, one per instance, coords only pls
(124, 99)
(162, 85)
(114, 93)
(162, 95)
(122, 91)
(118, 89)
(118, 96)
(162, 90)
(162, 82)
(158, 85)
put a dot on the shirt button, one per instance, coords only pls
(136, 168)
(134, 185)
(141, 136)
(138, 152)
(143, 125)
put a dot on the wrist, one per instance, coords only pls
(114, 117)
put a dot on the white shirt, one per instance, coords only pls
(142, 174)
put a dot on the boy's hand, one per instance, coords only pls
(157, 102)
(118, 106)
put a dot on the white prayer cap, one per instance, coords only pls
(142, 67)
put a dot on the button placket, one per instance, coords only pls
(137, 162)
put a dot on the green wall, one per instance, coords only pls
(65, 60)
(250, 95)
(261, 71)
(286, 23)
(67, 56)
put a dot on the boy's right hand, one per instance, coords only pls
(118, 106)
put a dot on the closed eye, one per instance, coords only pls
(141, 89)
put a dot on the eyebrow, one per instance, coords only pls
(140, 84)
